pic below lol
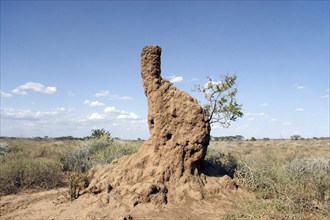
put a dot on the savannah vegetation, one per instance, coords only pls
(290, 179)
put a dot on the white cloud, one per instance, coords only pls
(130, 115)
(62, 121)
(251, 119)
(102, 93)
(96, 103)
(27, 114)
(5, 95)
(117, 97)
(300, 87)
(175, 79)
(299, 109)
(286, 123)
(61, 109)
(273, 120)
(266, 104)
(19, 92)
(261, 114)
(93, 103)
(96, 116)
(37, 87)
(106, 93)
(121, 114)
(111, 109)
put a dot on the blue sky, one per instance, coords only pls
(71, 66)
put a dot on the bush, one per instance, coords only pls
(4, 148)
(95, 152)
(29, 173)
(77, 182)
(224, 160)
(39, 164)
(117, 150)
(90, 153)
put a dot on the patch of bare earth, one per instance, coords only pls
(53, 204)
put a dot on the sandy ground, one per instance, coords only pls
(53, 204)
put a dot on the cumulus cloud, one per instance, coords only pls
(61, 121)
(93, 103)
(128, 115)
(27, 114)
(36, 87)
(175, 79)
(96, 116)
(117, 97)
(299, 109)
(102, 93)
(121, 114)
(286, 123)
(273, 120)
(106, 93)
(251, 119)
(5, 95)
(111, 109)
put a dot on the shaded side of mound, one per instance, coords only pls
(170, 164)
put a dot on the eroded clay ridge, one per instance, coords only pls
(169, 164)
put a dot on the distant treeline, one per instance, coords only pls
(46, 138)
(241, 138)
(228, 138)
(213, 138)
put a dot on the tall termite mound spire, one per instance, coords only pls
(176, 121)
(169, 164)
(150, 67)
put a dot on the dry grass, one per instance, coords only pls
(32, 164)
(48, 163)
(291, 179)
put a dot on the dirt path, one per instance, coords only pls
(53, 205)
